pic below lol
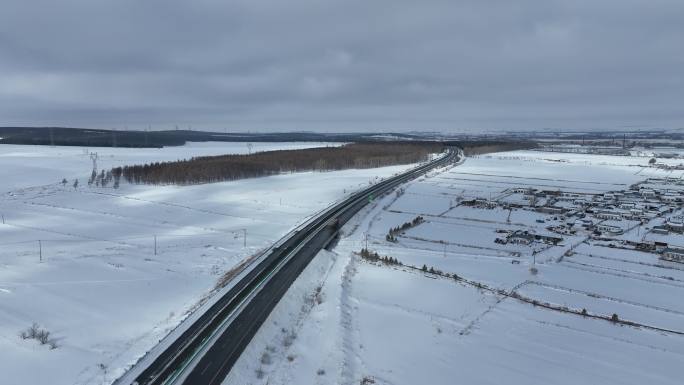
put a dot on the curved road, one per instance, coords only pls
(206, 351)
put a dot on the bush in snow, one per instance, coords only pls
(312, 299)
(266, 359)
(289, 338)
(41, 335)
(30, 332)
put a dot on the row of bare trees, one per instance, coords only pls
(231, 167)
(476, 147)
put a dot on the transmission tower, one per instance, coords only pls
(93, 157)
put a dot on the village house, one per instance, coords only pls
(675, 254)
(675, 224)
(627, 206)
(611, 228)
(671, 198)
(606, 214)
(550, 210)
(522, 190)
(661, 230)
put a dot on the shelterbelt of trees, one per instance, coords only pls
(478, 147)
(209, 169)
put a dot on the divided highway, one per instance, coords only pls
(206, 351)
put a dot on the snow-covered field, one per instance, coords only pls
(351, 321)
(82, 263)
(29, 166)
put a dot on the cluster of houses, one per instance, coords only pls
(647, 216)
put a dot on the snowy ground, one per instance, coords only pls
(351, 321)
(81, 262)
(29, 166)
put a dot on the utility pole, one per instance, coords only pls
(93, 157)
(366, 237)
(155, 244)
(3, 219)
(40, 251)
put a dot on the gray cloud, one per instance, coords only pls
(343, 65)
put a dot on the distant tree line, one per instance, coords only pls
(477, 147)
(70, 136)
(209, 169)
(65, 136)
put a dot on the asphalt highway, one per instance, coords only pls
(202, 356)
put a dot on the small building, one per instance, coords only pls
(614, 227)
(636, 213)
(662, 230)
(550, 210)
(659, 246)
(611, 229)
(675, 254)
(607, 214)
(675, 224)
(648, 193)
(522, 190)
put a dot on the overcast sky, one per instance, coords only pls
(343, 65)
